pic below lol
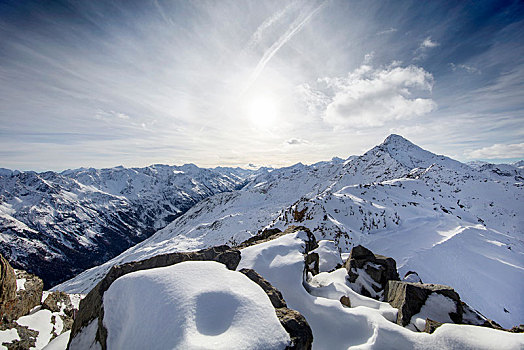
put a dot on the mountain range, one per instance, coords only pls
(453, 223)
(56, 225)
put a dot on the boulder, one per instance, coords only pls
(369, 273)
(431, 325)
(27, 336)
(7, 287)
(91, 307)
(312, 263)
(409, 298)
(20, 292)
(55, 301)
(292, 321)
(344, 300)
(28, 294)
(296, 325)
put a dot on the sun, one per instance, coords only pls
(262, 111)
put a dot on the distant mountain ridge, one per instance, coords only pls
(57, 224)
(423, 209)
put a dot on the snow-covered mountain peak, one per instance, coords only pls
(408, 154)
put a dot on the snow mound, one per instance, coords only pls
(195, 304)
(329, 256)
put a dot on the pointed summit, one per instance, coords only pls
(410, 155)
(396, 139)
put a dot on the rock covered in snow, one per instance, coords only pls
(412, 276)
(190, 305)
(198, 296)
(369, 273)
(410, 298)
(91, 307)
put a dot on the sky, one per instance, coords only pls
(270, 83)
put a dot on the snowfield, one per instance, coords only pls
(365, 325)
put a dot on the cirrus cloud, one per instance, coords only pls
(370, 97)
(499, 151)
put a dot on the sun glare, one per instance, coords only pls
(262, 111)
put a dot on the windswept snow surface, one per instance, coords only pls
(452, 223)
(364, 326)
(191, 305)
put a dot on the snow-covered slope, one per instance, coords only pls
(367, 324)
(56, 225)
(415, 206)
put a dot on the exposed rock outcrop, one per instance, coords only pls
(431, 325)
(273, 233)
(27, 336)
(369, 273)
(293, 322)
(58, 301)
(91, 307)
(20, 292)
(28, 294)
(409, 298)
(7, 287)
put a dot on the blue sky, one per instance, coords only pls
(103, 83)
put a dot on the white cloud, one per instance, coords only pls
(428, 43)
(370, 97)
(387, 31)
(295, 141)
(422, 51)
(111, 115)
(499, 151)
(465, 67)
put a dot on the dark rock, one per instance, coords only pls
(379, 268)
(91, 307)
(7, 288)
(312, 263)
(431, 325)
(409, 298)
(263, 236)
(27, 337)
(517, 329)
(297, 327)
(274, 294)
(492, 324)
(270, 234)
(344, 300)
(292, 321)
(55, 301)
(29, 297)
